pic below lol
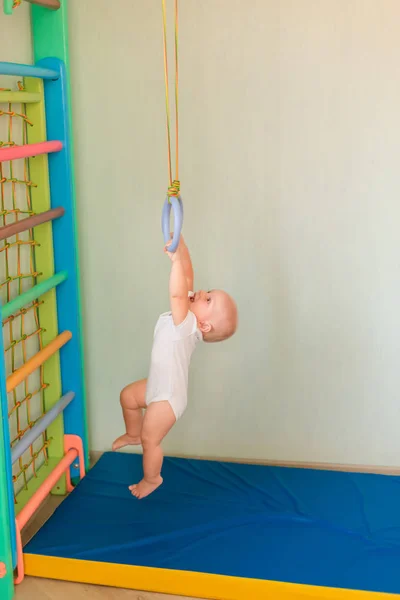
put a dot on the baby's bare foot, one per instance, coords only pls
(144, 488)
(126, 440)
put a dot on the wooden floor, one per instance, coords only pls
(45, 589)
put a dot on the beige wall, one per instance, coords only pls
(15, 36)
(290, 142)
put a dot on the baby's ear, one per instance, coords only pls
(205, 326)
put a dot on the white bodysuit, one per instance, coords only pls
(173, 347)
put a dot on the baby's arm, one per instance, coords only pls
(187, 264)
(178, 286)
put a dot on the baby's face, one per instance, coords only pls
(213, 309)
(204, 305)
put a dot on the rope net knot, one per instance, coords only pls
(174, 188)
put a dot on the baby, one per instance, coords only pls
(209, 316)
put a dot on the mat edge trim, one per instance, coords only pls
(182, 583)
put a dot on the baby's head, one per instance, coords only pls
(216, 314)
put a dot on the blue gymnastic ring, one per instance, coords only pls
(174, 202)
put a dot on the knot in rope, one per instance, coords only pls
(174, 189)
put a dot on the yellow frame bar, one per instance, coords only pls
(19, 97)
(184, 583)
(44, 256)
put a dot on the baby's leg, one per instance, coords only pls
(133, 400)
(158, 420)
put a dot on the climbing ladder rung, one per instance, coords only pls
(18, 70)
(36, 361)
(41, 426)
(30, 295)
(28, 150)
(29, 509)
(50, 4)
(25, 224)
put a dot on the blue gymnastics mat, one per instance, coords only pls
(313, 527)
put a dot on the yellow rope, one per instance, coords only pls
(174, 184)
